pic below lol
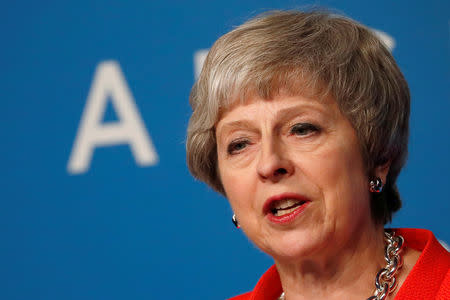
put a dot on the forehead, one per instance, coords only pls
(250, 95)
(268, 86)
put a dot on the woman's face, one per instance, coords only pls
(294, 175)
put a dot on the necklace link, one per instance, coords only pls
(385, 281)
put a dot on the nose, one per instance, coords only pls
(274, 163)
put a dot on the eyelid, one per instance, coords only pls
(236, 142)
(310, 127)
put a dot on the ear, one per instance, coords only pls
(382, 171)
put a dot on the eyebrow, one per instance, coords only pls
(238, 124)
(291, 111)
(323, 112)
(288, 112)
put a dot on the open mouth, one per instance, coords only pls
(285, 206)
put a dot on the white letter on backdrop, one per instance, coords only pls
(199, 59)
(388, 40)
(109, 83)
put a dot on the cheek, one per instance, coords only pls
(237, 188)
(339, 176)
(347, 193)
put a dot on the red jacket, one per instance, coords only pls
(429, 278)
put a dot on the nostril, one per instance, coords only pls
(280, 171)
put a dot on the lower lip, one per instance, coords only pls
(288, 218)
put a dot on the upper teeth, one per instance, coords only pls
(285, 203)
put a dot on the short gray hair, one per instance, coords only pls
(306, 52)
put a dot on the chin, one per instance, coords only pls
(293, 245)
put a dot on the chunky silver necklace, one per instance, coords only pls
(385, 281)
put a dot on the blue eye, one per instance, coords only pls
(302, 129)
(237, 146)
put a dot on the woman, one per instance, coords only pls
(301, 121)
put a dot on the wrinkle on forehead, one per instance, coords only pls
(250, 93)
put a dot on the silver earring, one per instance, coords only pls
(235, 221)
(376, 185)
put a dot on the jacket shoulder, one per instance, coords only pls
(444, 290)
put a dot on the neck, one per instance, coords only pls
(344, 272)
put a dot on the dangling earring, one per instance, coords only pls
(235, 221)
(376, 185)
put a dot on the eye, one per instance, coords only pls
(303, 129)
(236, 146)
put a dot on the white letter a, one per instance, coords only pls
(109, 83)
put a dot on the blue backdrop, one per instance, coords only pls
(133, 224)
